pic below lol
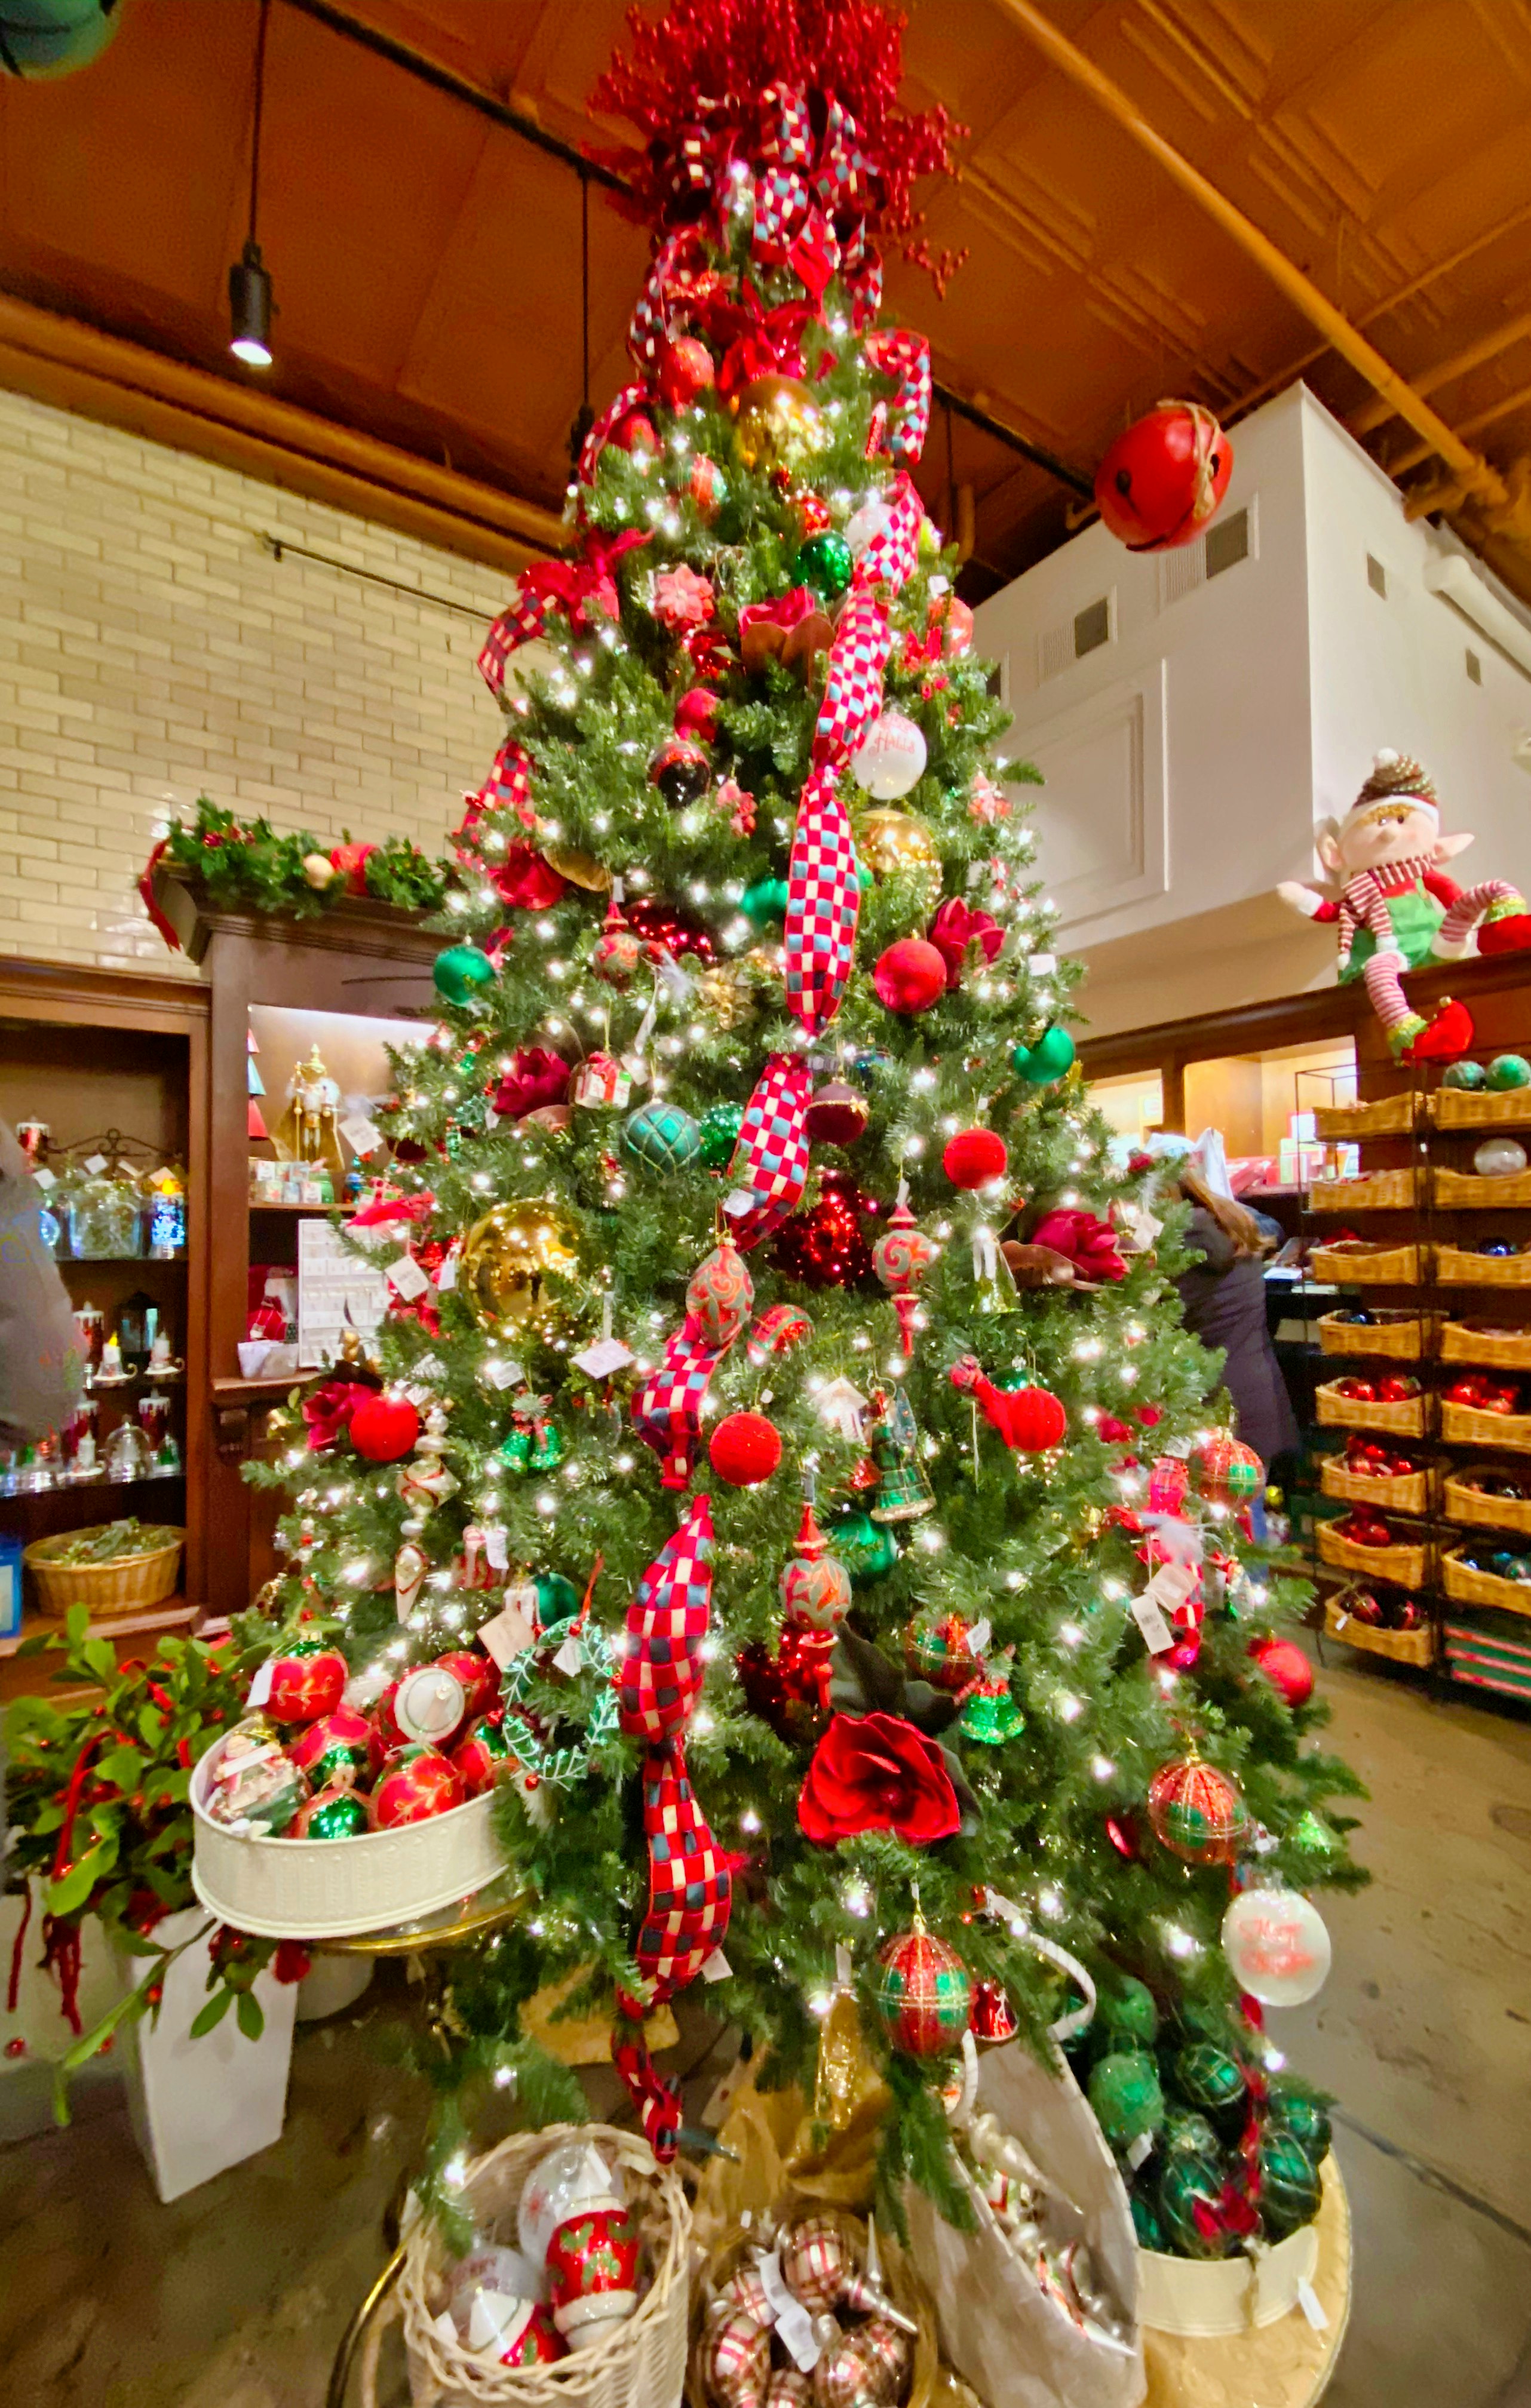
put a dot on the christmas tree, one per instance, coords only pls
(768, 1371)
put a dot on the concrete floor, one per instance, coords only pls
(235, 2296)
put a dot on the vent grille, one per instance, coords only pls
(1377, 576)
(1475, 668)
(1228, 543)
(1183, 571)
(1092, 627)
(1056, 651)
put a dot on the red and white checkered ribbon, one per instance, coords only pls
(520, 623)
(891, 557)
(853, 689)
(650, 320)
(691, 1887)
(661, 1675)
(507, 788)
(631, 397)
(786, 139)
(822, 904)
(770, 1159)
(844, 178)
(667, 1410)
(895, 352)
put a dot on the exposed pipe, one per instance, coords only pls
(1481, 418)
(1474, 478)
(1376, 411)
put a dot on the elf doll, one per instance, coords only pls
(1395, 909)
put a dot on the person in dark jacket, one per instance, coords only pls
(41, 1365)
(1223, 1298)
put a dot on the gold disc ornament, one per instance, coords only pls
(507, 1260)
(580, 868)
(778, 424)
(889, 840)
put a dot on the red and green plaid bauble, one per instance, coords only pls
(1197, 1812)
(924, 1993)
(1226, 1471)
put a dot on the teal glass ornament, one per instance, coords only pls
(1301, 2113)
(1509, 1070)
(1125, 2094)
(343, 1817)
(1471, 1075)
(40, 39)
(1127, 2007)
(720, 1127)
(1147, 2224)
(1185, 2184)
(764, 902)
(1290, 2188)
(558, 1599)
(663, 1136)
(1189, 2135)
(1048, 1060)
(461, 973)
(866, 1548)
(825, 561)
(1208, 2078)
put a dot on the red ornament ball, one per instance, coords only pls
(415, 1783)
(384, 1428)
(745, 1449)
(827, 1246)
(686, 368)
(1285, 1667)
(975, 1157)
(479, 1678)
(1033, 1420)
(910, 976)
(1161, 481)
(1197, 1812)
(1226, 1471)
(924, 1994)
(838, 1113)
(696, 714)
(482, 1755)
(307, 1679)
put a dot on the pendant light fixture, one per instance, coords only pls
(249, 304)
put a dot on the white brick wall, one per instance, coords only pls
(151, 649)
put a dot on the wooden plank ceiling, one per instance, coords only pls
(426, 261)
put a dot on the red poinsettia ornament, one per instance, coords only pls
(536, 1077)
(1088, 1242)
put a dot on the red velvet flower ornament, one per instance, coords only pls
(791, 629)
(536, 1077)
(875, 1772)
(955, 927)
(524, 882)
(328, 1408)
(1090, 1243)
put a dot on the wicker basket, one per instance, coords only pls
(639, 2364)
(1402, 1646)
(1379, 1191)
(1400, 1496)
(1468, 1426)
(1481, 1194)
(1387, 1116)
(1364, 1266)
(1468, 1587)
(1467, 1341)
(1404, 1566)
(1405, 1336)
(1456, 1268)
(125, 1585)
(1464, 1107)
(1460, 1503)
(1405, 1419)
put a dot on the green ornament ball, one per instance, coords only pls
(825, 561)
(1289, 2188)
(1125, 2094)
(1303, 2115)
(1471, 1075)
(764, 902)
(1208, 2078)
(1190, 2135)
(1185, 2184)
(1127, 2009)
(557, 1599)
(720, 1127)
(515, 1449)
(40, 39)
(1147, 2224)
(1048, 1060)
(461, 973)
(1509, 1070)
(663, 1136)
(343, 1817)
(867, 1548)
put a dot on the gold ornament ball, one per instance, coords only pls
(729, 993)
(580, 868)
(888, 840)
(778, 424)
(506, 1262)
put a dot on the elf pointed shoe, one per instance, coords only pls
(1506, 927)
(1449, 1032)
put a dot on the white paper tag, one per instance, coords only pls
(1142, 2147)
(794, 2325)
(445, 2330)
(739, 1203)
(408, 1278)
(1157, 1635)
(569, 1657)
(1171, 1586)
(447, 1278)
(44, 1179)
(260, 1688)
(717, 1967)
(844, 1973)
(979, 1637)
(95, 1162)
(608, 1355)
(524, 1597)
(1311, 2305)
(499, 1373)
(361, 1135)
(508, 1634)
(495, 1546)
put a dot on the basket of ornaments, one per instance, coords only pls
(315, 1817)
(796, 2312)
(573, 2293)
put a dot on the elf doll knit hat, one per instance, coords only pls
(1393, 776)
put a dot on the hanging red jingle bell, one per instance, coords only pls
(1161, 481)
(901, 1256)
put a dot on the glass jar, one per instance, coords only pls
(165, 1207)
(137, 1320)
(127, 1456)
(106, 1219)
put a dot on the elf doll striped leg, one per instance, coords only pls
(1505, 922)
(1410, 1037)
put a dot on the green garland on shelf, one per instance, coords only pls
(248, 863)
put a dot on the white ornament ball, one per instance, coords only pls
(892, 760)
(1276, 1945)
(571, 2177)
(429, 1705)
(319, 870)
(1499, 1157)
(866, 525)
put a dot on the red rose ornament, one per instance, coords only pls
(875, 1772)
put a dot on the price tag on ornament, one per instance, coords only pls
(1312, 2306)
(1171, 1586)
(361, 1135)
(717, 1967)
(1142, 2147)
(94, 1163)
(722, 2096)
(45, 1180)
(794, 2325)
(508, 1634)
(407, 1278)
(1158, 1638)
(500, 1373)
(497, 1546)
(260, 1688)
(608, 1355)
(979, 1637)
(1341, 1618)
(739, 1203)
(447, 1278)
(570, 1659)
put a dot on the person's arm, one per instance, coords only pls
(41, 1365)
